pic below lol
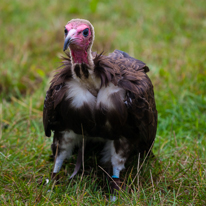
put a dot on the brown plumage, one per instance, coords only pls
(110, 97)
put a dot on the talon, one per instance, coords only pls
(115, 185)
(55, 177)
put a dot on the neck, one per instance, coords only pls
(82, 64)
(79, 56)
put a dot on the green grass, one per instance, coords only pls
(168, 35)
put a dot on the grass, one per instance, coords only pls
(168, 36)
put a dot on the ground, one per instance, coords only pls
(168, 35)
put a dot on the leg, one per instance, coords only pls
(64, 143)
(116, 152)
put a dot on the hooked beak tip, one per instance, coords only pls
(66, 43)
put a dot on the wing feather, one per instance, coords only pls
(139, 98)
(55, 95)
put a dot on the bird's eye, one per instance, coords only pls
(65, 32)
(85, 32)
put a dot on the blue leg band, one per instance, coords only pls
(114, 176)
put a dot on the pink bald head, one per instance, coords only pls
(79, 36)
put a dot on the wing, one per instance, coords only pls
(54, 96)
(139, 98)
(124, 61)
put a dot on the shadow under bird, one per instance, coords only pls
(100, 98)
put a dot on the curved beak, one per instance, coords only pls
(68, 38)
(66, 42)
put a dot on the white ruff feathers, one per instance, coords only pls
(105, 93)
(79, 95)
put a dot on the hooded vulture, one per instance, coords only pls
(99, 98)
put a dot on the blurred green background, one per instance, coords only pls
(167, 35)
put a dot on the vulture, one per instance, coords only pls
(99, 98)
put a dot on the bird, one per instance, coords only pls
(99, 98)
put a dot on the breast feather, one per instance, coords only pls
(79, 95)
(105, 95)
